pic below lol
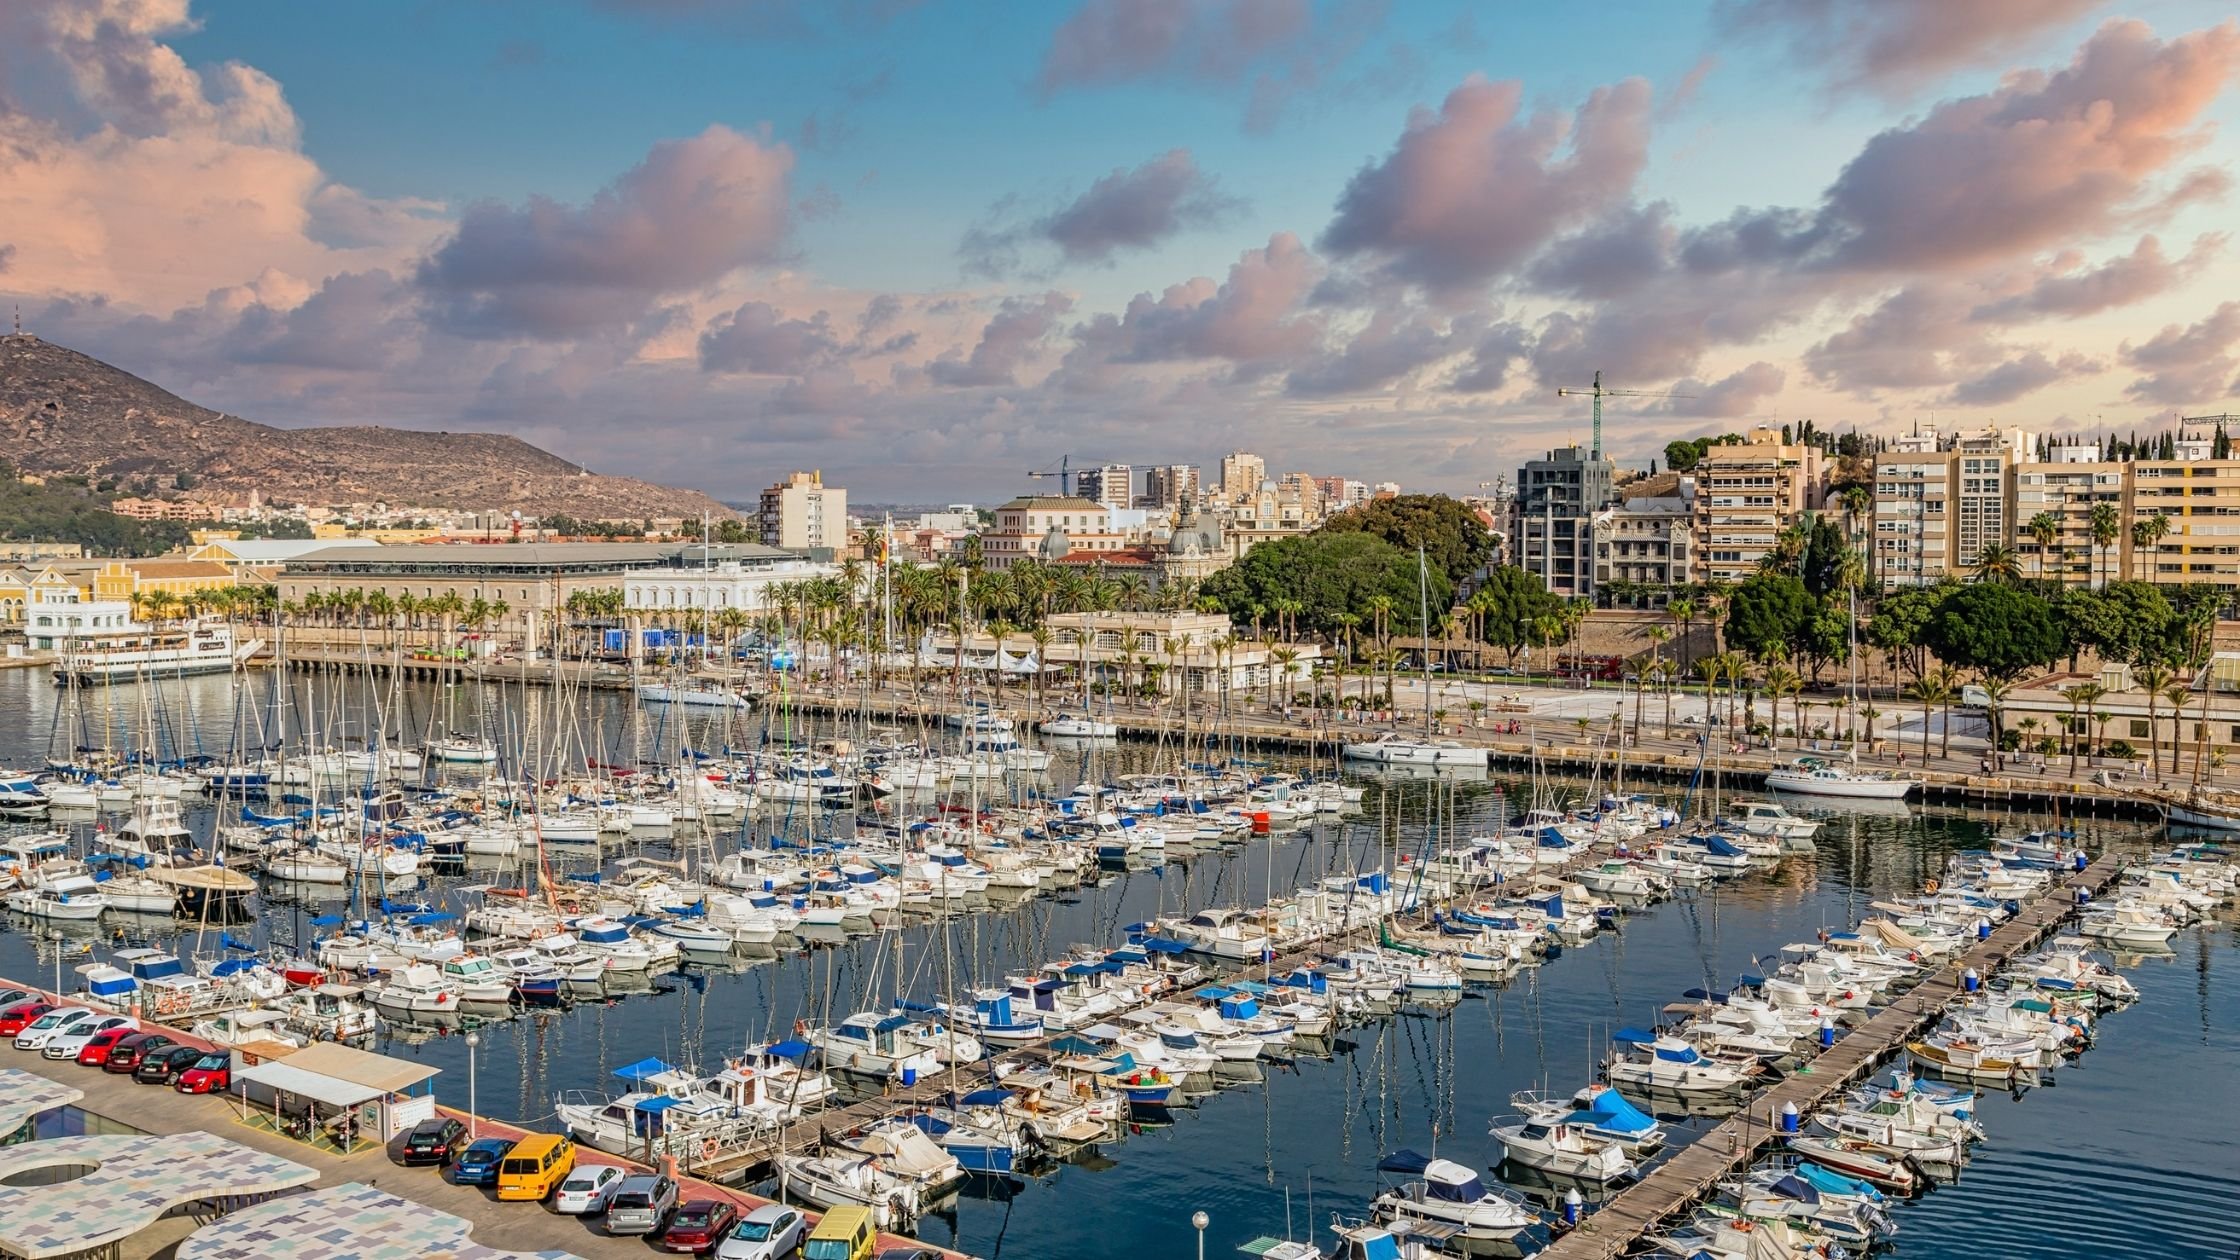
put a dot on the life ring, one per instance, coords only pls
(800, 1026)
(707, 1150)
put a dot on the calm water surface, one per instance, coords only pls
(2133, 1153)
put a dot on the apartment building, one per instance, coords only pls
(1551, 518)
(1242, 473)
(802, 513)
(1169, 486)
(1645, 538)
(1746, 495)
(1113, 485)
(2066, 487)
(1939, 500)
(1048, 527)
(2198, 499)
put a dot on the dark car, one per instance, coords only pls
(437, 1142)
(478, 1164)
(699, 1225)
(162, 1067)
(14, 1018)
(908, 1253)
(125, 1056)
(10, 996)
(210, 1073)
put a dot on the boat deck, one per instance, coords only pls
(1692, 1173)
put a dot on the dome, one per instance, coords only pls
(1055, 544)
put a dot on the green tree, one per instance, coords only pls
(2044, 529)
(2107, 529)
(1508, 606)
(1768, 612)
(1996, 629)
(1327, 575)
(1453, 540)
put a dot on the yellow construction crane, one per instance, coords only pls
(1598, 393)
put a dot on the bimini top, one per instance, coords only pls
(346, 1220)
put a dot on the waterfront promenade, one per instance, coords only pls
(1678, 1183)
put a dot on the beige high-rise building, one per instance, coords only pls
(1169, 486)
(1746, 495)
(1940, 500)
(2067, 487)
(1242, 473)
(802, 513)
(1109, 484)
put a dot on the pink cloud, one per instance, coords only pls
(1116, 41)
(2193, 365)
(692, 212)
(1474, 190)
(2066, 291)
(1017, 329)
(1253, 319)
(1897, 44)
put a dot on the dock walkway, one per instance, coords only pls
(1692, 1173)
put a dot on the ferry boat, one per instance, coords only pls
(98, 641)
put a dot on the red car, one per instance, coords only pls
(211, 1074)
(101, 1045)
(15, 1017)
(699, 1225)
(126, 1054)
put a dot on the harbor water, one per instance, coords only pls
(2134, 1152)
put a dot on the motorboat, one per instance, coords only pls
(417, 988)
(1648, 1061)
(327, 1012)
(478, 980)
(72, 896)
(1082, 726)
(1452, 1194)
(1768, 818)
(1394, 749)
(247, 1029)
(1599, 1112)
(844, 1180)
(1561, 1150)
(877, 1045)
(1814, 776)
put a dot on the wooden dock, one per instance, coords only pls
(1693, 1172)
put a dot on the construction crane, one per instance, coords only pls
(1598, 393)
(1062, 470)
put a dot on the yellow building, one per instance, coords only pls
(1746, 495)
(128, 580)
(336, 531)
(31, 584)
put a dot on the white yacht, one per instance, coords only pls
(1813, 776)
(1394, 749)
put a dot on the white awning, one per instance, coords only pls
(280, 1077)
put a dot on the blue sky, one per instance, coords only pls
(935, 217)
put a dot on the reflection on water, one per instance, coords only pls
(2130, 1155)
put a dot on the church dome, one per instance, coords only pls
(1055, 544)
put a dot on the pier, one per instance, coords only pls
(1553, 744)
(1695, 1171)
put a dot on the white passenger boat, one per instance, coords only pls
(1812, 776)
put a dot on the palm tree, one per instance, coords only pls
(2081, 697)
(2177, 693)
(2044, 529)
(1285, 656)
(2107, 527)
(1711, 669)
(1000, 630)
(1948, 679)
(1683, 611)
(2152, 679)
(1995, 693)
(1781, 681)
(1998, 562)
(1928, 691)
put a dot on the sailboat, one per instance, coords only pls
(1395, 749)
(1818, 776)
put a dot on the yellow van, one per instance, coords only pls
(845, 1233)
(535, 1166)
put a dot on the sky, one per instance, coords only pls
(927, 246)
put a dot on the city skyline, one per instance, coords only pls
(927, 247)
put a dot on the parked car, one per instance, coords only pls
(908, 1253)
(9, 997)
(47, 1027)
(478, 1164)
(127, 1051)
(98, 1047)
(436, 1141)
(13, 1019)
(162, 1067)
(210, 1073)
(67, 1043)
(699, 1225)
(642, 1206)
(770, 1232)
(588, 1189)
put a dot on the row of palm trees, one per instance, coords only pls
(2103, 525)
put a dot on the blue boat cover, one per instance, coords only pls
(987, 1097)
(1634, 1036)
(642, 1069)
(1609, 1111)
(1796, 1188)
(657, 1103)
(1833, 1182)
(1075, 1045)
(788, 1049)
(1405, 1162)
(327, 920)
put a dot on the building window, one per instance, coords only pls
(2139, 728)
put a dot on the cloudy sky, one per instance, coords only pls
(926, 245)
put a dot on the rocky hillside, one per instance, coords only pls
(65, 412)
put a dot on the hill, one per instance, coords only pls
(66, 413)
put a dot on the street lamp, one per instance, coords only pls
(1198, 1221)
(474, 1116)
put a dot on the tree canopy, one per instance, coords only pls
(1768, 612)
(64, 511)
(2122, 621)
(1329, 574)
(1996, 629)
(1686, 453)
(1509, 605)
(1454, 541)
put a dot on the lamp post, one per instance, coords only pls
(1198, 1222)
(474, 1117)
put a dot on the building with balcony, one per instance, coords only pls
(1551, 518)
(802, 513)
(1746, 495)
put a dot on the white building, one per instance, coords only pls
(731, 584)
(1048, 527)
(801, 513)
